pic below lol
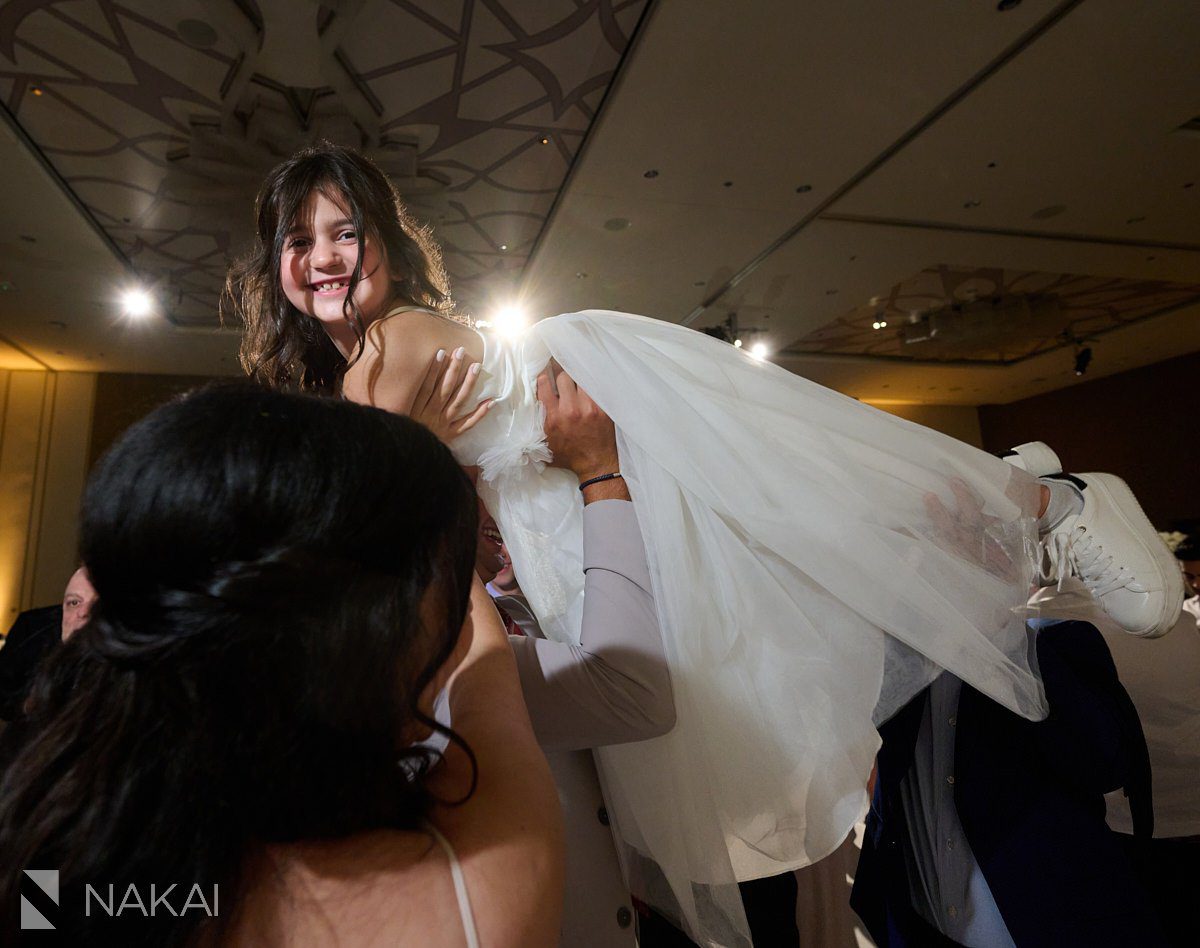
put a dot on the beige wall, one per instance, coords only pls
(45, 429)
(958, 421)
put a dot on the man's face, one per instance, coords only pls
(1191, 575)
(488, 559)
(78, 600)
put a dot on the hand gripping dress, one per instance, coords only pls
(815, 563)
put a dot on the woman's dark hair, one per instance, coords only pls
(283, 347)
(251, 669)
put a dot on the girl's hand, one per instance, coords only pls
(440, 404)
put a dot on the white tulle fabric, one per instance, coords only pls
(806, 587)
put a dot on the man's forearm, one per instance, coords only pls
(614, 687)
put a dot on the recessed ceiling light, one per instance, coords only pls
(196, 33)
(36, 90)
(545, 140)
(991, 164)
(580, 275)
(1007, 5)
(650, 174)
(727, 184)
(504, 246)
(616, 223)
(137, 303)
(804, 189)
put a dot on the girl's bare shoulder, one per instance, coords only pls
(409, 327)
(396, 354)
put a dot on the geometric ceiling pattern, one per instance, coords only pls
(163, 116)
(991, 315)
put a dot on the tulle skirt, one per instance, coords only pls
(815, 563)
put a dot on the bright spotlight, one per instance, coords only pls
(137, 303)
(737, 343)
(759, 351)
(510, 321)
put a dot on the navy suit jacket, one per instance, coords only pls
(1030, 796)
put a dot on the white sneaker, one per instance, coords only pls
(1035, 458)
(1118, 555)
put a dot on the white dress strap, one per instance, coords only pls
(460, 888)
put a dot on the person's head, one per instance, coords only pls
(326, 216)
(505, 579)
(279, 580)
(78, 599)
(488, 558)
(1188, 554)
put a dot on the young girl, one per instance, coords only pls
(815, 562)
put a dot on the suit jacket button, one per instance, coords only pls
(624, 917)
(602, 816)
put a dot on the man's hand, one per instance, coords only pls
(581, 437)
(440, 404)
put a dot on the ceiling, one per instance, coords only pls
(811, 169)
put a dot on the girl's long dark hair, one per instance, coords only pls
(252, 666)
(283, 347)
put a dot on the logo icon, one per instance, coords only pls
(39, 898)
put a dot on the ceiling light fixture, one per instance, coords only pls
(650, 174)
(1083, 358)
(503, 247)
(737, 343)
(36, 90)
(509, 321)
(759, 351)
(137, 303)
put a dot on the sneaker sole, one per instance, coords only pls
(1123, 501)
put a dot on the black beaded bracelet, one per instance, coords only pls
(597, 480)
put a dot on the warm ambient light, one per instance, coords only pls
(879, 325)
(759, 351)
(509, 321)
(137, 303)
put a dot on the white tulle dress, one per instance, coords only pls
(815, 563)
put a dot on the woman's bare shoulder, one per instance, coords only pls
(383, 887)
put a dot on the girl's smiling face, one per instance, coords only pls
(319, 254)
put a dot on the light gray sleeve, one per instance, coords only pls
(614, 686)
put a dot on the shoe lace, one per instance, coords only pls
(1077, 553)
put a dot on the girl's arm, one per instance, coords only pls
(509, 834)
